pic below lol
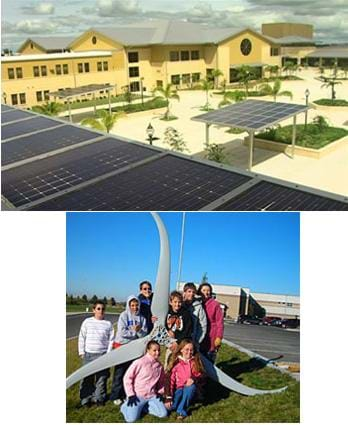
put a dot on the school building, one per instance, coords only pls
(236, 300)
(145, 55)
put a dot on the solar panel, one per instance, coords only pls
(165, 184)
(273, 197)
(28, 126)
(251, 114)
(5, 108)
(36, 144)
(42, 178)
(15, 114)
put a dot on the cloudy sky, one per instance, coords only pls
(24, 18)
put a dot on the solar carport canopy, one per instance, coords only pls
(251, 115)
(69, 168)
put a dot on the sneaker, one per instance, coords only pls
(118, 402)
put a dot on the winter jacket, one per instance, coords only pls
(199, 319)
(145, 378)
(180, 323)
(126, 321)
(181, 372)
(215, 327)
(145, 310)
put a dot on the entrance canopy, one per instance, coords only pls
(251, 116)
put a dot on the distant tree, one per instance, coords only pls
(104, 121)
(84, 298)
(93, 299)
(166, 93)
(206, 85)
(321, 122)
(174, 139)
(49, 108)
(273, 70)
(232, 96)
(275, 90)
(127, 94)
(289, 67)
(245, 74)
(216, 73)
(112, 301)
(331, 83)
(204, 278)
(105, 300)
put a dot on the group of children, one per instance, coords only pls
(195, 325)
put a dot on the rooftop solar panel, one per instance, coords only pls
(14, 115)
(165, 184)
(251, 114)
(36, 144)
(28, 126)
(39, 179)
(266, 196)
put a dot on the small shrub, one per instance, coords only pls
(215, 152)
(174, 139)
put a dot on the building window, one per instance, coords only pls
(11, 74)
(65, 69)
(39, 96)
(36, 71)
(173, 56)
(102, 66)
(134, 86)
(196, 76)
(99, 66)
(106, 66)
(134, 71)
(186, 78)
(44, 71)
(185, 55)
(58, 69)
(94, 40)
(194, 55)
(274, 51)
(19, 73)
(159, 83)
(14, 99)
(80, 67)
(133, 57)
(31, 45)
(22, 98)
(86, 67)
(175, 79)
(47, 95)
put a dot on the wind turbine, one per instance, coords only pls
(135, 349)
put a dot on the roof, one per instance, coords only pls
(65, 55)
(329, 52)
(50, 43)
(291, 39)
(77, 91)
(49, 164)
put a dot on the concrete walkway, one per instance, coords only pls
(329, 173)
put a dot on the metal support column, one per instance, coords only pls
(95, 104)
(109, 98)
(293, 138)
(251, 149)
(207, 133)
(69, 106)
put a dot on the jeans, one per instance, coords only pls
(182, 399)
(153, 405)
(117, 390)
(93, 387)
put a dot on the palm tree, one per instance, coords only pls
(216, 73)
(206, 85)
(49, 108)
(232, 96)
(272, 69)
(245, 75)
(289, 67)
(275, 90)
(104, 121)
(166, 93)
(330, 83)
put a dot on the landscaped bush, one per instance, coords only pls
(137, 107)
(330, 102)
(317, 134)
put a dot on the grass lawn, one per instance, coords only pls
(221, 405)
(314, 137)
(330, 102)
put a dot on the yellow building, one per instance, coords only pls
(140, 56)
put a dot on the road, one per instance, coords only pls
(267, 341)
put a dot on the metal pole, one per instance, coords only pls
(150, 137)
(95, 104)
(207, 133)
(109, 98)
(306, 112)
(181, 249)
(293, 138)
(69, 106)
(251, 149)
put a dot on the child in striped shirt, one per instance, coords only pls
(95, 339)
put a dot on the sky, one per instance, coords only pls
(22, 19)
(109, 254)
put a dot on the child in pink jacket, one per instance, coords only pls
(143, 383)
(215, 329)
(185, 371)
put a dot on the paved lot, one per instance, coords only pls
(267, 341)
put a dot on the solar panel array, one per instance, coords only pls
(70, 168)
(15, 116)
(253, 115)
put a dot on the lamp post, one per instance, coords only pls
(150, 132)
(307, 93)
(142, 90)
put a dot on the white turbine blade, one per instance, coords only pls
(123, 354)
(159, 306)
(230, 383)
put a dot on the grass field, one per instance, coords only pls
(221, 405)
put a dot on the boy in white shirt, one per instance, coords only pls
(95, 339)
